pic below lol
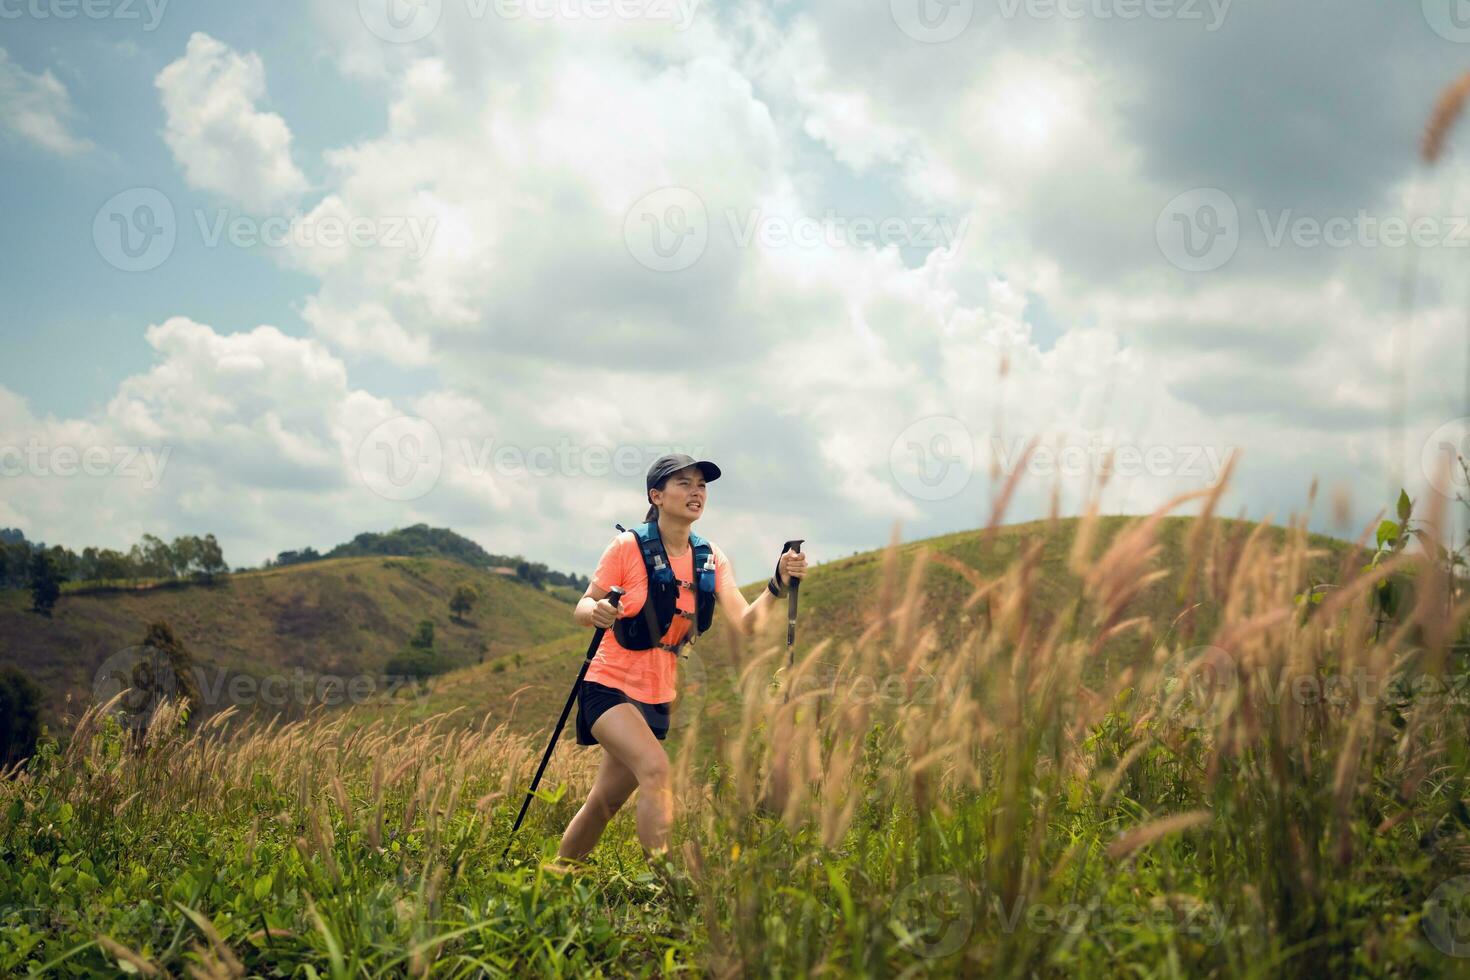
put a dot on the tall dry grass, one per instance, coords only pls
(998, 805)
(1024, 786)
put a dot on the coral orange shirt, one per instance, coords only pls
(645, 675)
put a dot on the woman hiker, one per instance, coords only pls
(624, 701)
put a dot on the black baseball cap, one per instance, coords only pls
(674, 462)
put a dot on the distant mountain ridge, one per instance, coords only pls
(154, 559)
(423, 541)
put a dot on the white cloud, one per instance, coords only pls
(532, 291)
(217, 133)
(797, 367)
(38, 108)
(367, 326)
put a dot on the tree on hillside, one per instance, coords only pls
(532, 572)
(45, 582)
(211, 558)
(151, 558)
(20, 717)
(111, 565)
(188, 556)
(183, 555)
(463, 600)
(158, 668)
(15, 559)
(423, 639)
(307, 554)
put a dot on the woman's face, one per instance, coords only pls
(683, 494)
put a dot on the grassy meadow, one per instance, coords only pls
(1155, 747)
(527, 688)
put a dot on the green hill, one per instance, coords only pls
(344, 617)
(422, 541)
(839, 598)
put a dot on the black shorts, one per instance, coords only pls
(594, 698)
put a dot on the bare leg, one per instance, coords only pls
(624, 733)
(614, 784)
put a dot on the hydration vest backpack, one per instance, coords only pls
(643, 632)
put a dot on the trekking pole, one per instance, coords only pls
(790, 617)
(613, 595)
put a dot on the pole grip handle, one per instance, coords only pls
(792, 545)
(614, 596)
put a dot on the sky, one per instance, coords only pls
(287, 272)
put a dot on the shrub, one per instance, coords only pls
(20, 717)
